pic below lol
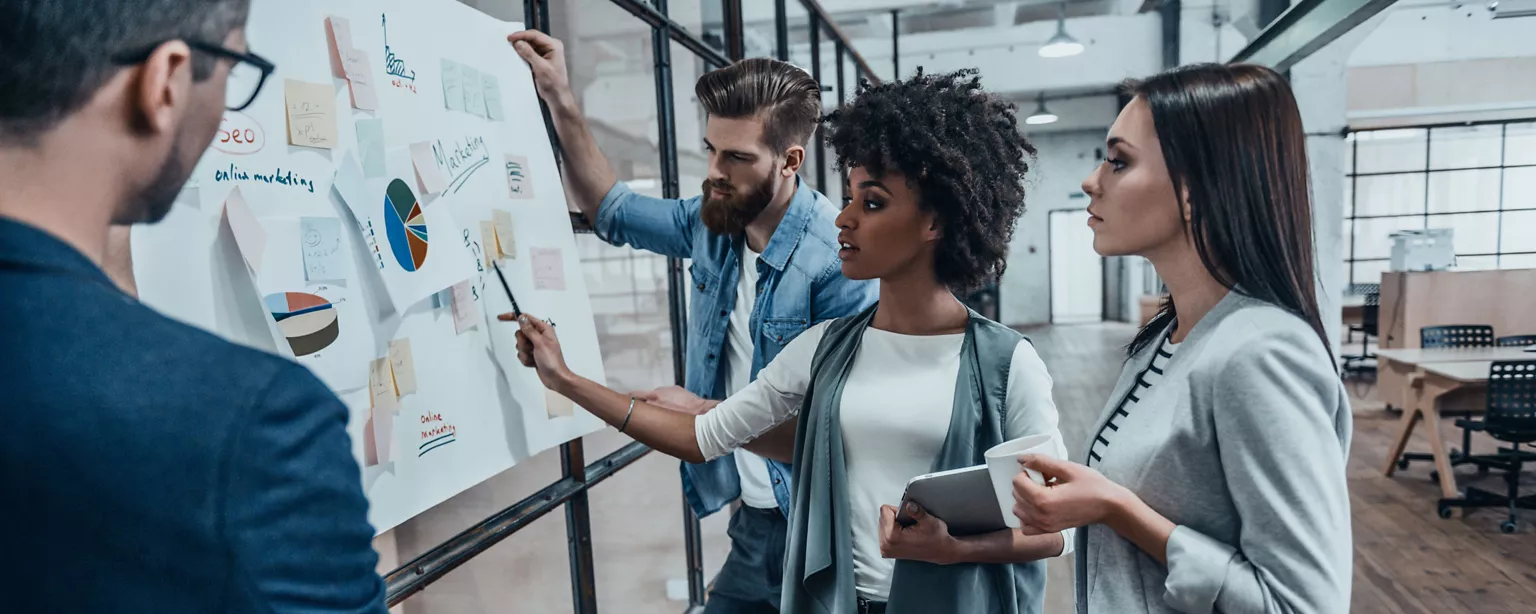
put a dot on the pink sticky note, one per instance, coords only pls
(360, 78)
(548, 268)
(250, 237)
(432, 178)
(340, 36)
(519, 182)
(466, 312)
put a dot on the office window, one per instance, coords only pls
(1478, 180)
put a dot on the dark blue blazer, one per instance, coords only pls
(148, 466)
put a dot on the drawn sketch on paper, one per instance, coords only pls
(308, 321)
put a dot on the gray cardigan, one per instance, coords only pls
(1242, 445)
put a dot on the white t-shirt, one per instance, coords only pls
(895, 414)
(756, 487)
(1145, 380)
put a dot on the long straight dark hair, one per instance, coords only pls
(1232, 137)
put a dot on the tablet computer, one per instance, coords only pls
(962, 498)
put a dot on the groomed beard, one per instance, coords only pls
(153, 202)
(730, 215)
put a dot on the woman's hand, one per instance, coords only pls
(676, 398)
(1074, 496)
(927, 540)
(538, 347)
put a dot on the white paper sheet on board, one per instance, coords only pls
(468, 419)
(320, 324)
(416, 247)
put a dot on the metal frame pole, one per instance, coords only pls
(666, 144)
(842, 99)
(780, 31)
(578, 507)
(820, 147)
(896, 44)
(735, 37)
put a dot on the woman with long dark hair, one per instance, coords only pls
(1214, 480)
(917, 383)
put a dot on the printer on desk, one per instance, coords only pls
(1423, 250)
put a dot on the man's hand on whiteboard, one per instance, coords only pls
(676, 398)
(538, 347)
(545, 55)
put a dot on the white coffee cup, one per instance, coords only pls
(1003, 465)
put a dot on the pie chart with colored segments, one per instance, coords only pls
(307, 321)
(406, 226)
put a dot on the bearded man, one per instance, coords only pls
(765, 268)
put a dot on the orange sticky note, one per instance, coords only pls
(506, 241)
(403, 366)
(311, 114)
(488, 243)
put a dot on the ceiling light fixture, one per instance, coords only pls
(1041, 115)
(1062, 44)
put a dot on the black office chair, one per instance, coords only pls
(1456, 336)
(1370, 314)
(1515, 341)
(1511, 418)
(1452, 336)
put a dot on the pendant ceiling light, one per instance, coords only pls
(1041, 114)
(1062, 44)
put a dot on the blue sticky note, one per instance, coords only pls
(370, 146)
(492, 89)
(320, 238)
(474, 96)
(453, 93)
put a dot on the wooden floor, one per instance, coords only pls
(1406, 558)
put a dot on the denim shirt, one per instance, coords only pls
(800, 283)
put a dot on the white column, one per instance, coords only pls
(1320, 87)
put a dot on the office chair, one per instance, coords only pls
(1514, 341)
(1511, 418)
(1369, 316)
(1456, 336)
(1452, 336)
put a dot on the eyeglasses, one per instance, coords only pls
(246, 76)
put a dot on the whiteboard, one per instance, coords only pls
(468, 383)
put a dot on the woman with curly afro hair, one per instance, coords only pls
(918, 383)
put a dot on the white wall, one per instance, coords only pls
(1439, 65)
(1055, 182)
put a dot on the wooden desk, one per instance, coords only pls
(1396, 368)
(1434, 380)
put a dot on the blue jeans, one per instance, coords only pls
(749, 581)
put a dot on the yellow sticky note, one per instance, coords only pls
(488, 243)
(381, 385)
(311, 114)
(505, 239)
(403, 366)
(557, 406)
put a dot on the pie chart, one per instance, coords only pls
(405, 225)
(308, 321)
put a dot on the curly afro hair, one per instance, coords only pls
(959, 147)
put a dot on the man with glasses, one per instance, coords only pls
(147, 466)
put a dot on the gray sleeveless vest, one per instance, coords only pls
(818, 566)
